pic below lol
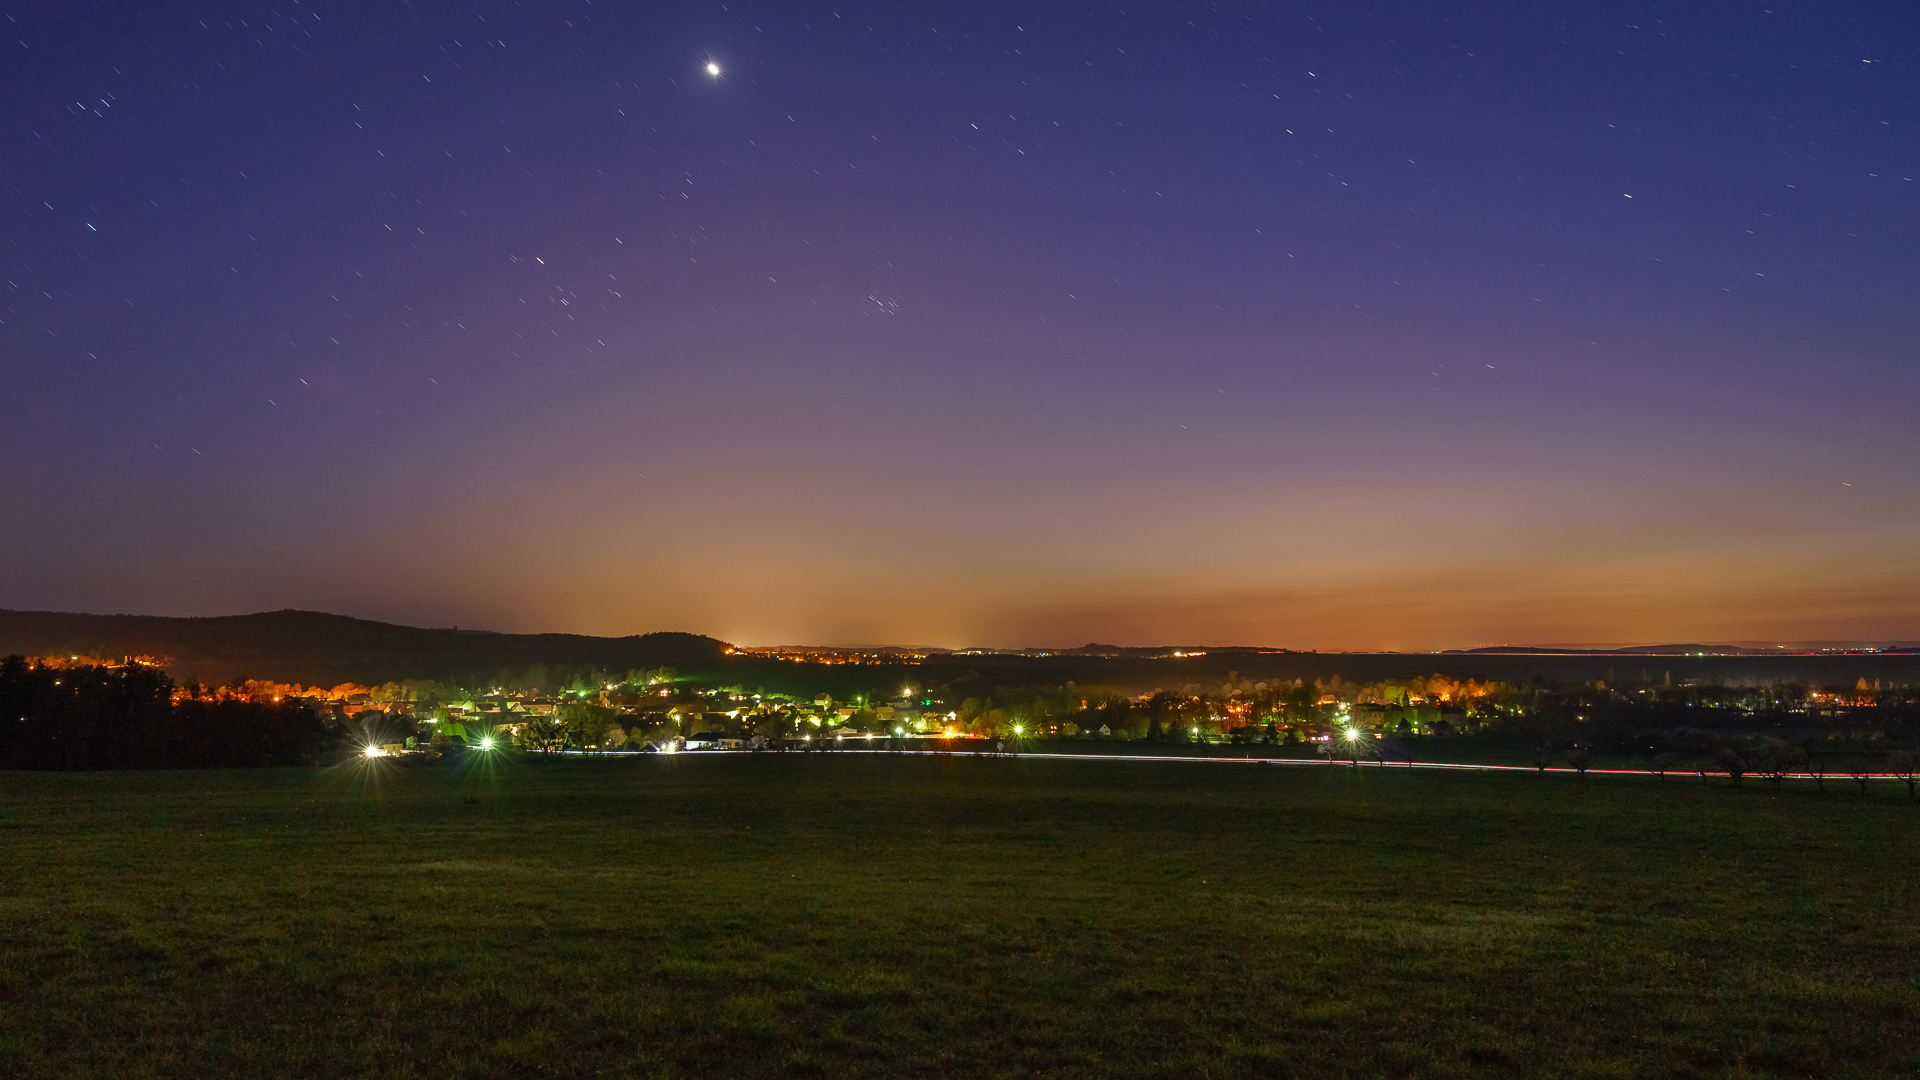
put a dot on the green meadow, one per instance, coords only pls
(832, 915)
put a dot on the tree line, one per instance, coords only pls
(133, 717)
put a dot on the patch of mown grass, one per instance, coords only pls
(853, 915)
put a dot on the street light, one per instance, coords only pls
(1353, 745)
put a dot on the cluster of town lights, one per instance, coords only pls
(372, 751)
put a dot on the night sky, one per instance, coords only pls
(1320, 325)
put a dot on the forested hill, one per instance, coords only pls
(313, 647)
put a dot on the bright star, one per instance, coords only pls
(713, 68)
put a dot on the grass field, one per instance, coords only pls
(854, 915)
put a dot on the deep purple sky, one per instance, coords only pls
(968, 323)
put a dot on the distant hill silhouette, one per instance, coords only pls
(1636, 650)
(1140, 651)
(1693, 650)
(314, 647)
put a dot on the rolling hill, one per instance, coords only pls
(317, 648)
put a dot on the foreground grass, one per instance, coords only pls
(846, 915)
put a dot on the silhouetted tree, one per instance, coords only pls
(1775, 760)
(1903, 764)
(1581, 758)
(1732, 762)
(1860, 772)
(97, 717)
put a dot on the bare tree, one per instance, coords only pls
(1903, 764)
(1775, 760)
(1730, 761)
(1860, 772)
(1661, 762)
(1581, 758)
(1541, 756)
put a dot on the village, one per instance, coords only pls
(558, 709)
(661, 715)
